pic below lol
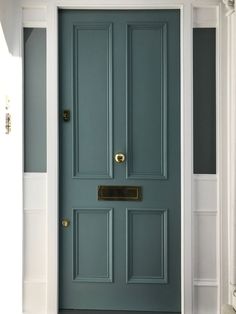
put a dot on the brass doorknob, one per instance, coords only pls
(119, 158)
(65, 223)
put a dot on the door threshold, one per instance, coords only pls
(112, 312)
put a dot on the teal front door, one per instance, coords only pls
(120, 217)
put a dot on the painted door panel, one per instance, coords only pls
(120, 78)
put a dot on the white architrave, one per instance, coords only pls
(231, 95)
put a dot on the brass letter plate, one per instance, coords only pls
(119, 193)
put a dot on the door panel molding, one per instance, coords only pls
(156, 167)
(84, 271)
(157, 223)
(101, 141)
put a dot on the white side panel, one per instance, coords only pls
(205, 17)
(34, 298)
(206, 261)
(35, 191)
(34, 16)
(205, 300)
(35, 243)
(34, 246)
(205, 192)
(205, 267)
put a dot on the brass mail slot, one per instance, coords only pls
(119, 193)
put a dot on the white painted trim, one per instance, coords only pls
(206, 212)
(206, 24)
(34, 281)
(219, 156)
(205, 177)
(231, 30)
(121, 4)
(209, 19)
(52, 221)
(35, 175)
(34, 16)
(231, 95)
(219, 153)
(186, 159)
(230, 131)
(205, 283)
(34, 211)
(34, 24)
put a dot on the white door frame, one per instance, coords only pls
(185, 8)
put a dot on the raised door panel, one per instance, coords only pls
(147, 246)
(92, 245)
(92, 125)
(147, 100)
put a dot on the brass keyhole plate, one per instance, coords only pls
(119, 158)
(65, 223)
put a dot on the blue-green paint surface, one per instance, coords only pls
(120, 77)
(35, 147)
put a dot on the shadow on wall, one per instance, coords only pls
(9, 16)
(10, 61)
(9, 50)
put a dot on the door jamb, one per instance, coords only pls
(185, 8)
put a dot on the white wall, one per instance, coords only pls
(35, 186)
(10, 159)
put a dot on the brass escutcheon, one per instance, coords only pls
(65, 223)
(119, 158)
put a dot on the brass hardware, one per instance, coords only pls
(119, 193)
(66, 115)
(65, 223)
(119, 158)
(8, 123)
